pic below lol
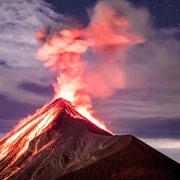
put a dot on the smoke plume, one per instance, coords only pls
(89, 61)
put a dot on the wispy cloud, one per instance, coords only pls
(19, 20)
(12, 78)
(170, 147)
(154, 63)
(163, 143)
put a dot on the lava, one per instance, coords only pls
(29, 128)
(16, 145)
(17, 141)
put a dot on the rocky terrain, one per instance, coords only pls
(74, 148)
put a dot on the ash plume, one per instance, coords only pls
(89, 61)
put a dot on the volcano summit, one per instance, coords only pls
(59, 143)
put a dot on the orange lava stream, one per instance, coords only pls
(31, 127)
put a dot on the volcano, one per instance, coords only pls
(69, 146)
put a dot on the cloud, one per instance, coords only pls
(152, 127)
(19, 20)
(36, 88)
(17, 109)
(154, 63)
(152, 76)
(163, 143)
(170, 147)
(139, 17)
(12, 79)
(142, 112)
(140, 103)
(11, 111)
(3, 63)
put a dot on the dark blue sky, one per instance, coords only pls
(164, 13)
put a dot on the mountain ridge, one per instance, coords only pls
(73, 147)
(133, 160)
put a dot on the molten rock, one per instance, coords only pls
(71, 147)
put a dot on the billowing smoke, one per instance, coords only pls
(89, 61)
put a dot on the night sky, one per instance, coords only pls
(149, 106)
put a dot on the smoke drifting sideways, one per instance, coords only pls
(89, 61)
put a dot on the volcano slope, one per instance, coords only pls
(74, 148)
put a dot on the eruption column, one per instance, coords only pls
(107, 36)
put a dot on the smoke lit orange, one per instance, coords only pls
(106, 35)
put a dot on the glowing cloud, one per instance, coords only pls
(107, 37)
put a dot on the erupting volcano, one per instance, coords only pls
(59, 143)
(49, 128)
(63, 140)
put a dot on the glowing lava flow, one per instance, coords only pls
(15, 144)
(25, 131)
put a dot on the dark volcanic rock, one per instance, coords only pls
(128, 158)
(74, 148)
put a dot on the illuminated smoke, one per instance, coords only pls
(89, 61)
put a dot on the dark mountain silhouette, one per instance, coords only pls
(74, 148)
